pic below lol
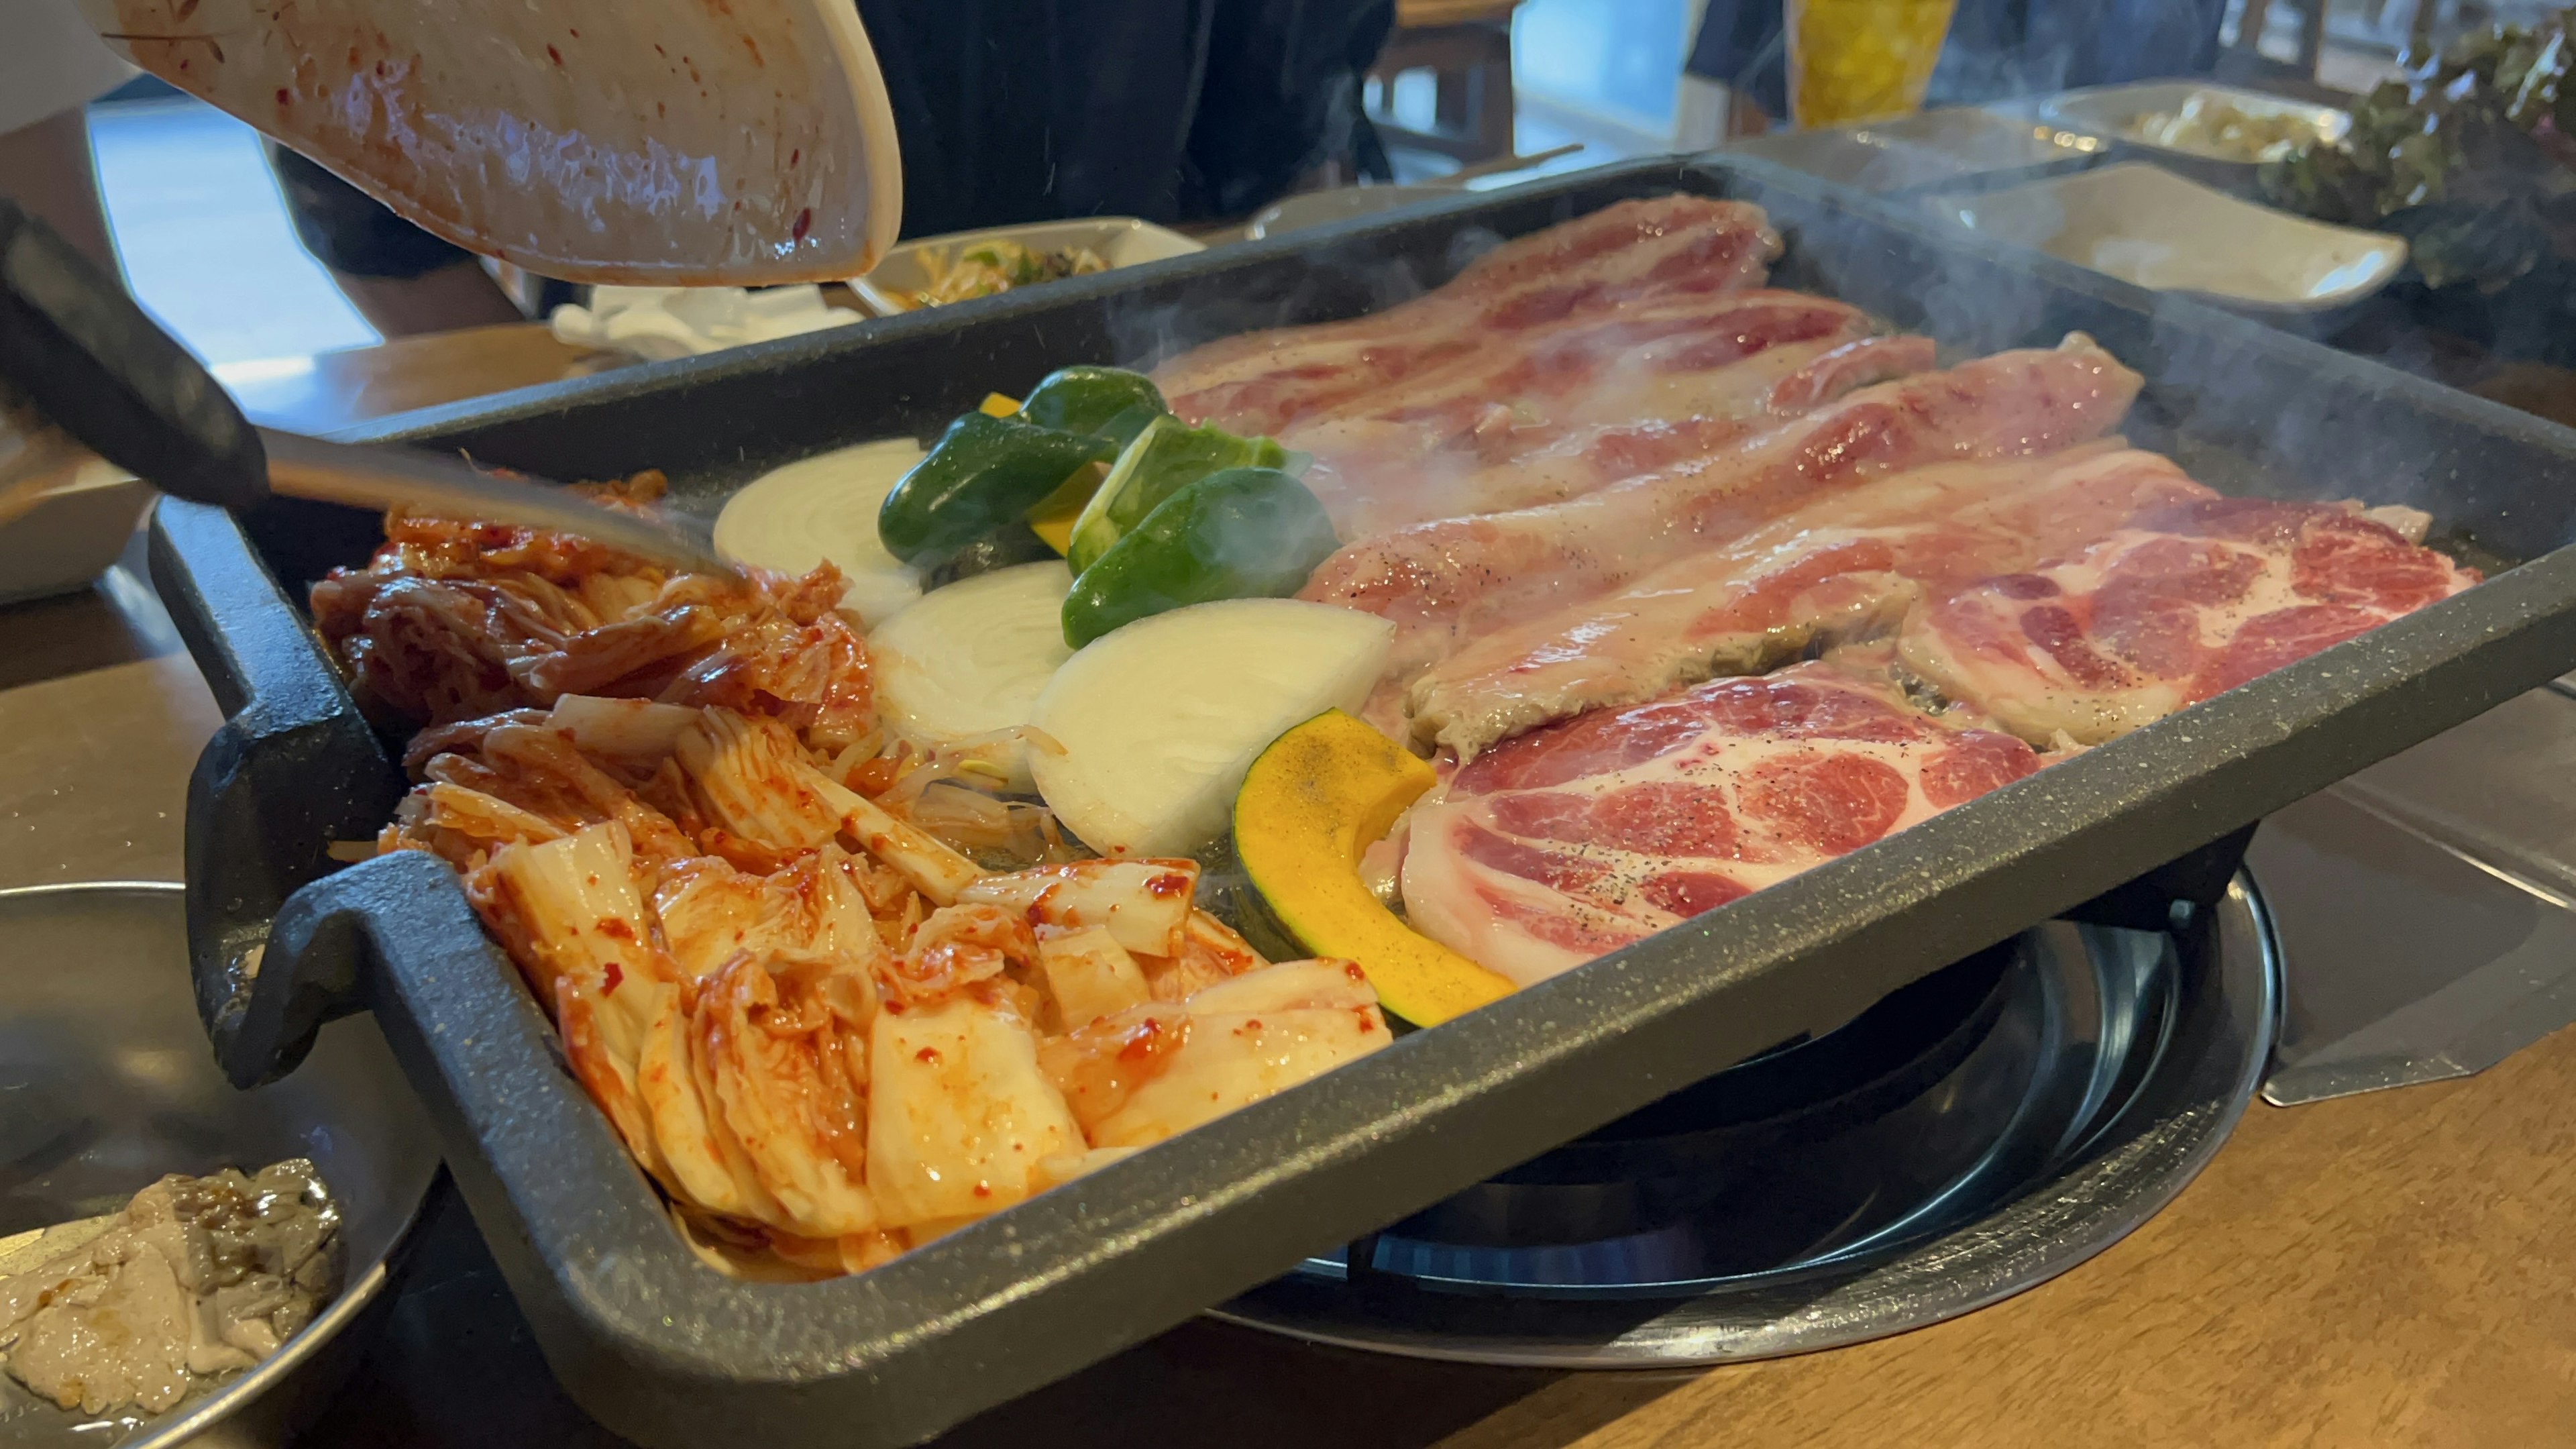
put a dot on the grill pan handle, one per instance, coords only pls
(307, 973)
(330, 945)
(293, 768)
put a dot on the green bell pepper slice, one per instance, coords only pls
(1108, 402)
(1239, 533)
(1166, 457)
(984, 472)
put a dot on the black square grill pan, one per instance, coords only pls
(670, 1353)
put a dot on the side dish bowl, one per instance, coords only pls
(1121, 241)
(2113, 114)
(107, 1086)
(71, 534)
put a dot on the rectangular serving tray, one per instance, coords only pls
(669, 1352)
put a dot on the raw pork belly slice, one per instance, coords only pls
(1589, 405)
(1848, 566)
(1576, 839)
(1670, 359)
(2190, 601)
(1441, 582)
(1630, 253)
(1849, 367)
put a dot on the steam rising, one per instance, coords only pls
(2244, 407)
(1348, 280)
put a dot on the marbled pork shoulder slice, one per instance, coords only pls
(1622, 255)
(1576, 839)
(1847, 566)
(1443, 583)
(2189, 601)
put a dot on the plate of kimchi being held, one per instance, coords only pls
(1148, 743)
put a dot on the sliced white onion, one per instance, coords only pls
(972, 658)
(1160, 720)
(825, 507)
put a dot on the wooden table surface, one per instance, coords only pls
(331, 390)
(2396, 1269)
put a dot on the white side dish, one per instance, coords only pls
(655, 324)
(2145, 225)
(72, 533)
(2131, 113)
(1121, 241)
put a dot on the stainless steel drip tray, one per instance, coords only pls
(2426, 907)
(2110, 1068)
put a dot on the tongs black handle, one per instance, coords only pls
(96, 366)
(91, 365)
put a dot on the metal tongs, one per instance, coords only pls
(83, 370)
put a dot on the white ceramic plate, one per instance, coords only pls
(2145, 225)
(1121, 241)
(71, 534)
(2109, 111)
(1340, 203)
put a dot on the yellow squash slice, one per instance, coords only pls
(1318, 797)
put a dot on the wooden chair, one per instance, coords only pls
(2246, 59)
(1467, 47)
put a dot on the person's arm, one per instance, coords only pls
(442, 299)
(401, 279)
